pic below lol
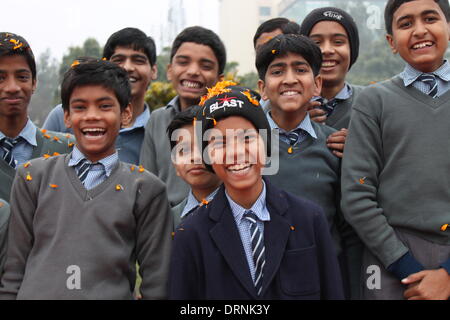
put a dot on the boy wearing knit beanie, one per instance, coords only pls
(336, 33)
(244, 244)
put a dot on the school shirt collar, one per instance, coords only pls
(109, 162)
(140, 121)
(259, 207)
(192, 202)
(28, 133)
(304, 125)
(410, 74)
(174, 103)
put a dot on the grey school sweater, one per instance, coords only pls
(340, 118)
(396, 167)
(57, 225)
(4, 219)
(156, 153)
(46, 144)
(313, 172)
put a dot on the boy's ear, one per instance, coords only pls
(126, 116)
(318, 83)
(169, 72)
(67, 121)
(390, 40)
(154, 71)
(261, 87)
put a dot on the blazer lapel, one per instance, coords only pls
(276, 233)
(226, 236)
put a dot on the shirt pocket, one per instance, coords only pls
(299, 273)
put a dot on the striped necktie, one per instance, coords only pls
(83, 169)
(258, 249)
(7, 144)
(432, 83)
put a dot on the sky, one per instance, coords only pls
(57, 24)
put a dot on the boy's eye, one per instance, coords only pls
(77, 107)
(23, 77)
(276, 72)
(105, 106)
(405, 24)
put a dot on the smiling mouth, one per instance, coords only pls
(290, 93)
(239, 167)
(422, 45)
(191, 84)
(93, 132)
(328, 64)
(133, 79)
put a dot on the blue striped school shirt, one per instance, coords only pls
(193, 203)
(410, 75)
(243, 225)
(98, 172)
(305, 125)
(23, 150)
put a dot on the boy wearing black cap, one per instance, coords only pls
(20, 139)
(336, 33)
(253, 241)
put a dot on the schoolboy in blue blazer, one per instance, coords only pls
(253, 240)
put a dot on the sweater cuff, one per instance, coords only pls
(405, 266)
(446, 266)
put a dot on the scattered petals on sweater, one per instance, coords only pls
(46, 156)
(119, 187)
(29, 178)
(444, 227)
(141, 168)
(26, 165)
(132, 168)
(362, 180)
(290, 150)
(53, 186)
(56, 154)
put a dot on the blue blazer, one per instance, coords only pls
(208, 258)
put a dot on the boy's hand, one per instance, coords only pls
(428, 285)
(316, 114)
(336, 142)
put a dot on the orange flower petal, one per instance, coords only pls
(444, 227)
(204, 202)
(53, 186)
(46, 136)
(292, 228)
(56, 153)
(274, 51)
(119, 187)
(44, 130)
(141, 168)
(75, 63)
(70, 144)
(26, 165)
(29, 178)
(46, 156)
(362, 180)
(132, 168)
(290, 150)
(55, 138)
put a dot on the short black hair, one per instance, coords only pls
(133, 38)
(13, 44)
(285, 25)
(181, 119)
(205, 37)
(92, 73)
(393, 5)
(283, 44)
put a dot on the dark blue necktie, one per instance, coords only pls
(258, 249)
(83, 169)
(7, 144)
(432, 83)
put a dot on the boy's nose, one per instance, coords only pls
(193, 69)
(289, 77)
(12, 86)
(128, 65)
(327, 48)
(420, 29)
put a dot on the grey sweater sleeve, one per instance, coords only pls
(4, 219)
(361, 167)
(148, 153)
(20, 236)
(154, 223)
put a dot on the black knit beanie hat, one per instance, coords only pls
(226, 99)
(339, 16)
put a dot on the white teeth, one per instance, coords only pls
(132, 80)
(289, 93)
(239, 167)
(423, 45)
(93, 130)
(328, 64)
(191, 84)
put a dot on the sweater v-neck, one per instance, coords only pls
(87, 195)
(413, 93)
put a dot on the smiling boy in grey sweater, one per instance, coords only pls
(81, 221)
